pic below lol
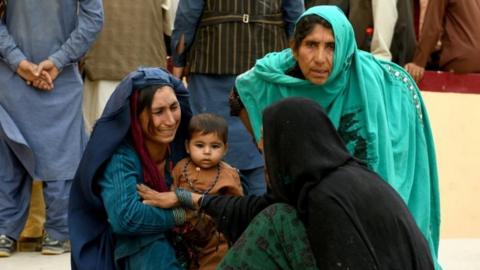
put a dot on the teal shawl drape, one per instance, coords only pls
(376, 107)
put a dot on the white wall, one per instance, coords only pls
(455, 120)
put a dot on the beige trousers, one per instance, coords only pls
(36, 215)
(95, 97)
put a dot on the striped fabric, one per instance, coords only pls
(3, 7)
(232, 34)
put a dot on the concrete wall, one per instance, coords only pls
(455, 120)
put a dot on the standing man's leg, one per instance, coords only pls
(15, 190)
(56, 194)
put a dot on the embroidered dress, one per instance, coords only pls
(276, 238)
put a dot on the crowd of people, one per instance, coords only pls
(285, 135)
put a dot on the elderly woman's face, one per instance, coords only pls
(160, 123)
(315, 55)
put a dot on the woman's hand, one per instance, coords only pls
(158, 199)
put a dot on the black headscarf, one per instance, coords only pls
(315, 150)
(292, 165)
(353, 218)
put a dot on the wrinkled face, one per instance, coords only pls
(206, 150)
(160, 123)
(315, 55)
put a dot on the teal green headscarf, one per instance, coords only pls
(376, 107)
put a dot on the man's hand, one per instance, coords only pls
(48, 73)
(34, 75)
(27, 70)
(49, 67)
(415, 70)
(44, 81)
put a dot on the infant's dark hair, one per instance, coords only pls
(207, 123)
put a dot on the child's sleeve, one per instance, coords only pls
(238, 183)
(177, 173)
(233, 185)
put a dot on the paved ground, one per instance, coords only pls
(455, 254)
(460, 254)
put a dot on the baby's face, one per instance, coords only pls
(206, 150)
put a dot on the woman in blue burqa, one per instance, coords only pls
(138, 139)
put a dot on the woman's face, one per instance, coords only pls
(160, 122)
(315, 54)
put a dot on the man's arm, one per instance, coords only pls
(90, 21)
(185, 26)
(431, 32)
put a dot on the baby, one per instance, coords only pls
(204, 172)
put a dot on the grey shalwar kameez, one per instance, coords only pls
(41, 132)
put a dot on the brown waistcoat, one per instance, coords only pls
(132, 36)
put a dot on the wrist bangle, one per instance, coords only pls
(184, 197)
(179, 215)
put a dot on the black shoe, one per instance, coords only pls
(7, 246)
(54, 247)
